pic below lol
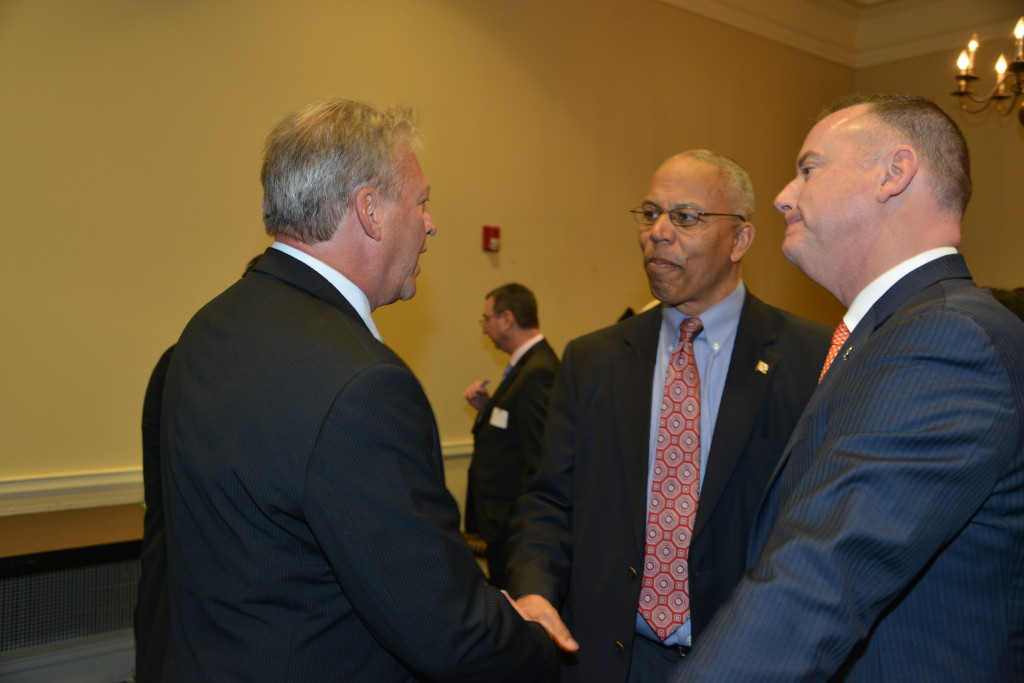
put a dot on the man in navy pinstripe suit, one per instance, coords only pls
(890, 545)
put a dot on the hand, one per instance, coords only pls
(535, 608)
(476, 395)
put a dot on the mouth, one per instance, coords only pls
(793, 218)
(658, 265)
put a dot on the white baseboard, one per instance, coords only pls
(71, 491)
(119, 487)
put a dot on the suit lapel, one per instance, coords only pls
(943, 268)
(742, 397)
(632, 379)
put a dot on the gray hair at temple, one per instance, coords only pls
(739, 188)
(932, 133)
(318, 158)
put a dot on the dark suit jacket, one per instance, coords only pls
(310, 535)
(891, 544)
(578, 533)
(506, 459)
(151, 606)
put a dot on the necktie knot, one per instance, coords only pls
(689, 329)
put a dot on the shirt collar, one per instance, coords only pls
(719, 321)
(346, 287)
(881, 284)
(523, 348)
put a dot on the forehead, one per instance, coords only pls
(840, 128)
(408, 167)
(489, 304)
(685, 180)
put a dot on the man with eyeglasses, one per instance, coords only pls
(601, 552)
(509, 425)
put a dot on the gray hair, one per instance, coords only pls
(318, 158)
(932, 133)
(739, 188)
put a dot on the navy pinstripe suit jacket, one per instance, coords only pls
(890, 546)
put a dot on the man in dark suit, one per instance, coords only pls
(310, 535)
(509, 426)
(581, 533)
(890, 544)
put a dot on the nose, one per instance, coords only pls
(428, 221)
(784, 200)
(662, 229)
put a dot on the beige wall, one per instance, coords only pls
(130, 139)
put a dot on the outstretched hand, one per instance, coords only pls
(536, 608)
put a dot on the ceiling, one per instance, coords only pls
(859, 33)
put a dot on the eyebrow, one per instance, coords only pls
(805, 157)
(683, 205)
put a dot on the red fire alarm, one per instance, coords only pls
(492, 238)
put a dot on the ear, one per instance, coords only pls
(742, 240)
(900, 165)
(367, 203)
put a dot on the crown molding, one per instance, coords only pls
(860, 33)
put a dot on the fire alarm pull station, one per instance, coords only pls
(492, 238)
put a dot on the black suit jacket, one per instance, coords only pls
(506, 458)
(890, 545)
(310, 534)
(578, 532)
(151, 606)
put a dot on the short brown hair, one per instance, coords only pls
(520, 301)
(931, 132)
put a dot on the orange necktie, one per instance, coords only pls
(839, 338)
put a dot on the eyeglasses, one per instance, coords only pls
(487, 318)
(682, 217)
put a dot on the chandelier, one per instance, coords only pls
(1009, 78)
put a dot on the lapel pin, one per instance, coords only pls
(762, 367)
(847, 352)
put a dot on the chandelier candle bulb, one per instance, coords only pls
(963, 62)
(972, 47)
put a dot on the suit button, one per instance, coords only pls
(619, 647)
(632, 572)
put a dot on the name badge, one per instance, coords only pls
(499, 418)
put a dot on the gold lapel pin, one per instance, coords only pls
(847, 352)
(762, 367)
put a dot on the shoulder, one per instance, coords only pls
(637, 329)
(787, 329)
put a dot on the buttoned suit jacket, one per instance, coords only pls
(506, 458)
(891, 544)
(310, 534)
(578, 532)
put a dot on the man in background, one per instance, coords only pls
(890, 544)
(509, 426)
(310, 535)
(662, 433)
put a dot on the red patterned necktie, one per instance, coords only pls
(675, 481)
(839, 338)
